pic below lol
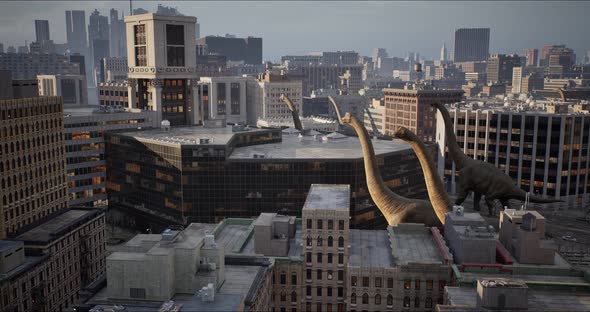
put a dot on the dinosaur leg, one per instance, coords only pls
(463, 192)
(476, 199)
(490, 203)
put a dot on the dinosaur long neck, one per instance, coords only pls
(454, 150)
(336, 108)
(294, 113)
(387, 201)
(438, 196)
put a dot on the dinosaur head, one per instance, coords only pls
(404, 133)
(347, 118)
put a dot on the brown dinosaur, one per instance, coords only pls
(294, 113)
(395, 208)
(481, 177)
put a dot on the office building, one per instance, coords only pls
(264, 97)
(230, 172)
(42, 30)
(223, 98)
(33, 162)
(469, 237)
(543, 150)
(500, 67)
(115, 94)
(532, 82)
(340, 58)
(72, 88)
(410, 108)
(117, 40)
(472, 44)
(517, 76)
(523, 234)
(443, 53)
(28, 66)
(476, 77)
(290, 61)
(164, 79)
(329, 77)
(472, 89)
(247, 50)
(374, 117)
(1, 48)
(532, 56)
(471, 67)
(76, 58)
(85, 148)
(76, 32)
(113, 69)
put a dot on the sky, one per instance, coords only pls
(301, 27)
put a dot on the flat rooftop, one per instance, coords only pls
(370, 248)
(189, 135)
(413, 243)
(293, 147)
(537, 300)
(52, 228)
(91, 110)
(328, 197)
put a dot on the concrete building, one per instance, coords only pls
(33, 184)
(494, 89)
(340, 58)
(374, 117)
(264, 97)
(291, 61)
(517, 76)
(113, 69)
(16, 89)
(163, 75)
(500, 68)
(472, 44)
(42, 30)
(241, 172)
(543, 152)
(248, 50)
(72, 88)
(472, 89)
(328, 77)
(223, 98)
(117, 40)
(411, 108)
(115, 94)
(531, 82)
(469, 237)
(523, 234)
(85, 148)
(28, 66)
(76, 32)
(532, 57)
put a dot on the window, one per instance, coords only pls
(283, 296)
(283, 279)
(293, 297)
(365, 299)
(378, 282)
(417, 302)
(308, 291)
(293, 278)
(340, 258)
(308, 257)
(417, 284)
(341, 242)
(365, 281)
(341, 225)
(329, 257)
(319, 292)
(407, 284)
(330, 275)
(137, 293)
(441, 285)
(330, 225)
(389, 300)
(309, 241)
(330, 241)
(353, 298)
(175, 45)
(353, 280)
(340, 275)
(340, 292)
(389, 282)
(428, 303)
(329, 289)
(308, 274)
(319, 307)
(329, 307)
(429, 284)
(320, 224)
(309, 224)
(320, 241)
(140, 45)
(406, 302)
(377, 299)
(319, 275)
(319, 257)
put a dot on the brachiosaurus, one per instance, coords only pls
(481, 177)
(294, 113)
(395, 208)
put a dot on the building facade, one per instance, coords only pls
(76, 32)
(264, 97)
(500, 67)
(472, 44)
(115, 94)
(72, 88)
(28, 66)
(411, 109)
(247, 50)
(223, 98)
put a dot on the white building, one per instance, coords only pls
(517, 74)
(72, 88)
(224, 98)
(114, 69)
(264, 97)
(161, 53)
(374, 117)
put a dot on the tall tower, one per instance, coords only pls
(42, 30)
(161, 54)
(472, 44)
(443, 53)
(76, 32)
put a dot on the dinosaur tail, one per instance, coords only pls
(521, 195)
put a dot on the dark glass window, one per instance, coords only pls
(175, 45)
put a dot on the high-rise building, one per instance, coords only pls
(247, 50)
(42, 30)
(33, 162)
(162, 62)
(500, 67)
(77, 58)
(544, 151)
(518, 73)
(532, 56)
(11, 49)
(117, 40)
(72, 88)
(1, 48)
(76, 32)
(472, 44)
(443, 53)
(265, 96)
(410, 108)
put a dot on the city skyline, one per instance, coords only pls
(523, 26)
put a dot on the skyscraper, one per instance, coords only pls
(42, 30)
(500, 67)
(443, 53)
(76, 31)
(118, 47)
(532, 56)
(472, 44)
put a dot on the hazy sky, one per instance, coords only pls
(300, 27)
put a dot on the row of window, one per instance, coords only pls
(320, 224)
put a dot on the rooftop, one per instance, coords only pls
(57, 225)
(537, 300)
(94, 110)
(370, 248)
(6, 245)
(328, 197)
(413, 243)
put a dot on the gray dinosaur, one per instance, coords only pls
(479, 177)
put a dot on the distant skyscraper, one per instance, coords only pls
(1, 48)
(42, 30)
(98, 28)
(248, 50)
(443, 53)
(76, 31)
(532, 55)
(472, 44)
(117, 35)
(377, 53)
